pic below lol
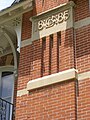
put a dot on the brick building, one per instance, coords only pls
(45, 60)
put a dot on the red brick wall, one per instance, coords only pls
(82, 9)
(45, 57)
(83, 49)
(24, 67)
(43, 5)
(52, 102)
(26, 25)
(83, 59)
(84, 100)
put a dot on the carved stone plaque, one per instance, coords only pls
(52, 21)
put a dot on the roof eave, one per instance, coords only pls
(16, 6)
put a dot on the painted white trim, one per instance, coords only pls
(18, 30)
(13, 49)
(14, 7)
(22, 92)
(52, 79)
(7, 52)
(14, 16)
(15, 11)
(9, 68)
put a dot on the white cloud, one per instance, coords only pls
(5, 3)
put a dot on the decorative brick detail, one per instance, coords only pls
(51, 54)
(45, 57)
(67, 50)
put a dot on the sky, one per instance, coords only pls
(5, 3)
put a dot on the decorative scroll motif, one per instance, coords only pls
(16, 21)
(53, 20)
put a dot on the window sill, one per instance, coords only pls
(52, 79)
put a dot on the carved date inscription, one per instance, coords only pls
(53, 20)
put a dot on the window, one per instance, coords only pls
(7, 83)
(6, 95)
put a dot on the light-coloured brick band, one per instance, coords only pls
(52, 79)
(22, 92)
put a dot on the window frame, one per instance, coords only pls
(7, 69)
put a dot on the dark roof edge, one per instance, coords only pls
(14, 6)
(17, 1)
(14, 3)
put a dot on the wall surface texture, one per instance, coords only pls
(63, 51)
